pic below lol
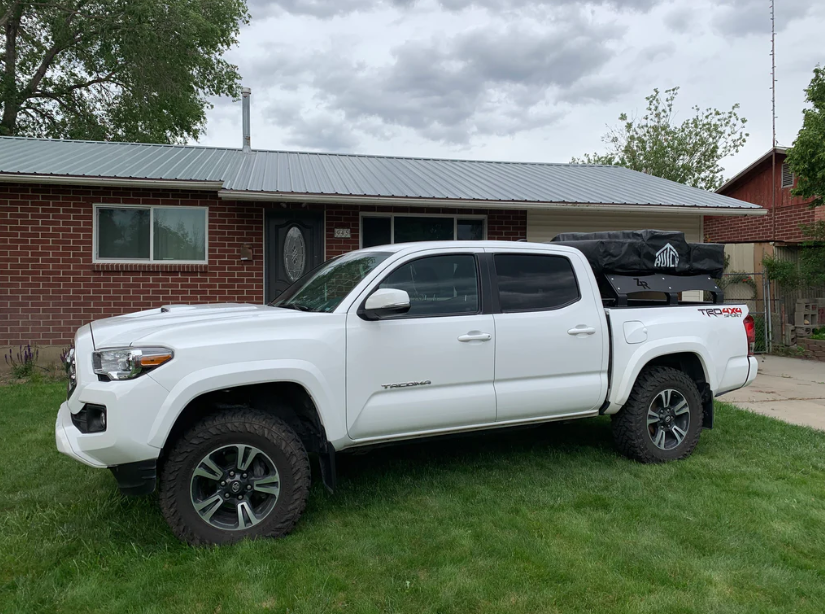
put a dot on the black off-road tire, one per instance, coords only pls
(237, 426)
(630, 429)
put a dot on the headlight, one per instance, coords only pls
(128, 363)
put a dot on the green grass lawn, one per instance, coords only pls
(549, 519)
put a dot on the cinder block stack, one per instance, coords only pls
(806, 317)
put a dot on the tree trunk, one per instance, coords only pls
(11, 104)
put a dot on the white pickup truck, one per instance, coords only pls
(221, 404)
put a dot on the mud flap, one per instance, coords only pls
(707, 412)
(326, 459)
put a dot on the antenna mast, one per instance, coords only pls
(773, 121)
(773, 73)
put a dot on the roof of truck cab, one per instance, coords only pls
(418, 246)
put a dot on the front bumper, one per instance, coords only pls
(134, 477)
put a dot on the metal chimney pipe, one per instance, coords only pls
(247, 139)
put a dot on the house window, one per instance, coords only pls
(787, 176)
(384, 229)
(152, 234)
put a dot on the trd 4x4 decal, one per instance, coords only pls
(725, 312)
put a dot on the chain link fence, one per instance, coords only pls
(753, 290)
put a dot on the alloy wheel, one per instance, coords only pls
(668, 419)
(235, 487)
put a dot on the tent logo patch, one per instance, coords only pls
(667, 257)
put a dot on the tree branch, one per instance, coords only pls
(5, 18)
(77, 86)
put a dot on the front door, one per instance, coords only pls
(294, 246)
(430, 369)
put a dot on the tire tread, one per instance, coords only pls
(241, 420)
(629, 438)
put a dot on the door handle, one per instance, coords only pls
(475, 336)
(581, 329)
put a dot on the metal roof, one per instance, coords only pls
(326, 175)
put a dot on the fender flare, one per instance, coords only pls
(650, 352)
(214, 378)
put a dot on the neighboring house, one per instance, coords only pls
(95, 229)
(767, 183)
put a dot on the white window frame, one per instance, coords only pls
(151, 258)
(392, 216)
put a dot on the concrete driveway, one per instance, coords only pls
(790, 389)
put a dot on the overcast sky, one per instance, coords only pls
(530, 80)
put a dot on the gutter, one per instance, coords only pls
(174, 184)
(396, 201)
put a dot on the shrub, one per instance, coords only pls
(24, 362)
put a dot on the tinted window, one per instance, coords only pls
(438, 285)
(533, 283)
(409, 229)
(376, 231)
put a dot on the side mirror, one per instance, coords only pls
(385, 303)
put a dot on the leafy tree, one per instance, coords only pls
(807, 156)
(687, 152)
(809, 270)
(126, 70)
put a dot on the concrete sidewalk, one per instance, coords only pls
(790, 389)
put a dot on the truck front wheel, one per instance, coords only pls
(237, 474)
(662, 419)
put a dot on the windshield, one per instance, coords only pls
(323, 289)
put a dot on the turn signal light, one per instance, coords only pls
(155, 360)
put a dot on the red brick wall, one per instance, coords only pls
(755, 187)
(49, 285)
(756, 229)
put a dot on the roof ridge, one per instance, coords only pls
(312, 153)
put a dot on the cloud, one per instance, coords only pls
(327, 9)
(746, 17)
(323, 9)
(681, 19)
(654, 53)
(490, 80)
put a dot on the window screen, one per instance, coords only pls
(179, 234)
(438, 285)
(469, 230)
(535, 283)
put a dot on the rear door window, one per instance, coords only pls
(533, 282)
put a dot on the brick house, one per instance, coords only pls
(95, 229)
(767, 183)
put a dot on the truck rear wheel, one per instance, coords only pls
(662, 419)
(237, 474)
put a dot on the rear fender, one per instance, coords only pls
(648, 353)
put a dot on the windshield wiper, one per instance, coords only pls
(295, 306)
